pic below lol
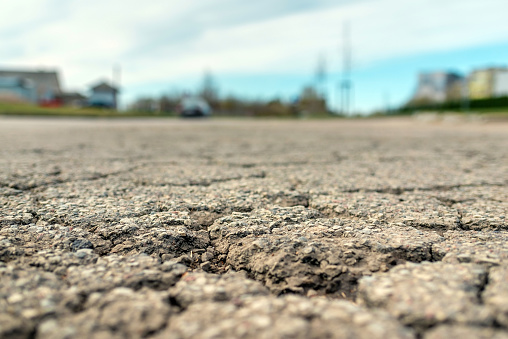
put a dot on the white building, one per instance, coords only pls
(500, 85)
(435, 87)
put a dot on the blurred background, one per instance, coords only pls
(277, 57)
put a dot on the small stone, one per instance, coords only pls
(464, 258)
(308, 250)
(311, 293)
(81, 244)
(205, 266)
(167, 257)
(207, 256)
(83, 253)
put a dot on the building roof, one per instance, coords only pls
(104, 87)
(72, 96)
(47, 80)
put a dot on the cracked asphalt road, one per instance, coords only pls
(386, 228)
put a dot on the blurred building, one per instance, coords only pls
(73, 99)
(437, 87)
(501, 83)
(30, 86)
(16, 89)
(103, 95)
(488, 83)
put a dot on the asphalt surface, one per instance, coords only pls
(391, 228)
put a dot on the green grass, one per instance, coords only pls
(497, 110)
(18, 109)
(33, 110)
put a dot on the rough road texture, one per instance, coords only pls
(253, 229)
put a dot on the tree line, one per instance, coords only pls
(309, 102)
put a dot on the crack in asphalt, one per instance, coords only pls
(400, 190)
(57, 181)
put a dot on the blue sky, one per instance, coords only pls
(261, 49)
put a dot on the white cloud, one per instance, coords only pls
(159, 40)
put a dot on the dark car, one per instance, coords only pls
(194, 107)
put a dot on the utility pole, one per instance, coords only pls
(116, 76)
(115, 82)
(321, 77)
(346, 84)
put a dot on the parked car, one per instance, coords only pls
(194, 107)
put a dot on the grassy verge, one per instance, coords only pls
(33, 110)
(16, 109)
